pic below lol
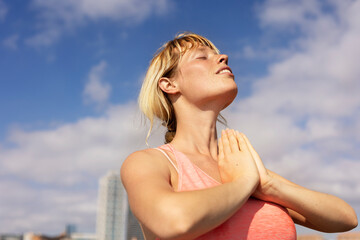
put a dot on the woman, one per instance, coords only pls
(199, 187)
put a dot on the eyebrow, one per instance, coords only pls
(202, 49)
(195, 50)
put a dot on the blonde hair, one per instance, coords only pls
(153, 102)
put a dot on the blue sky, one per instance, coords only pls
(71, 72)
(52, 71)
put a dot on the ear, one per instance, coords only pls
(168, 86)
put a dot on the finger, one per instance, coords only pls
(242, 144)
(221, 149)
(255, 155)
(251, 148)
(233, 141)
(225, 142)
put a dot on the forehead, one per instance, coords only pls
(198, 48)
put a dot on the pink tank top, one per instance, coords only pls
(256, 219)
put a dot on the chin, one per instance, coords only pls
(229, 97)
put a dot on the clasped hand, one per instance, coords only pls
(238, 159)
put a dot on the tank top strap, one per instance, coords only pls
(178, 161)
(182, 161)
(167, 156)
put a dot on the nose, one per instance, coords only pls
(223, 58)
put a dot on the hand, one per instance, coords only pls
(265, 177)
(235, 159)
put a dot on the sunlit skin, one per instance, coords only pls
(199, 81)
(199, 92)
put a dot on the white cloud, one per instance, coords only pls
(285, 13)
(72, 153)
(56, 17)
(44, 38)
(262, 53)
(45, 210)
(96, 90)
(3, 10)
(325, 70)
(50, 176)
(11, 42)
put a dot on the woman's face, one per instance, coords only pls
(204, 78)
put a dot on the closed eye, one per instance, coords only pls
(201, 57)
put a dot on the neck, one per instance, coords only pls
(196, 131)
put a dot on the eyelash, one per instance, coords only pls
(203, 57)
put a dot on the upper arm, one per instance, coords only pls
(146, 179)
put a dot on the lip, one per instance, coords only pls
(225, 68)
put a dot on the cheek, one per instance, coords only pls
(194, 76)
(196, 68)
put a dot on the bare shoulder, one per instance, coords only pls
(144, 165)
(139, 159)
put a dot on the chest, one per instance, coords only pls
(206, 165)
(193, 171)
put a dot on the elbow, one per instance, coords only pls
(350, 223)
(347, 226)
(175, 225)
(353, 222)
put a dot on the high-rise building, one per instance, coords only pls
(133, 228)
(11, 237)
(112, 208)
(70, 229)
(115, 220)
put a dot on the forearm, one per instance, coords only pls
(312, 209)
(197, 212)
(320, 211)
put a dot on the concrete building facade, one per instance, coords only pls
(112, 208)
